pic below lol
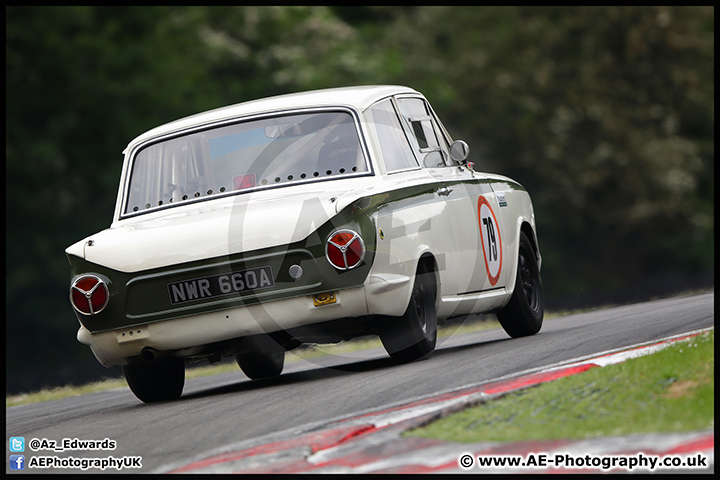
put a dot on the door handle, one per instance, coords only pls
(445, 191)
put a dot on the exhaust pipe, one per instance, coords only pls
(150, 355)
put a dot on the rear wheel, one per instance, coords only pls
(414, 335)
(523, 315)
(262, 357)
(157, 381)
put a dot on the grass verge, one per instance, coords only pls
(668, 391)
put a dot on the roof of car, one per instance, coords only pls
(359, 97)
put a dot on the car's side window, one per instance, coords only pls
(396, 150)
(429, 145)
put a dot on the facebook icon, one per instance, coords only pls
(17, 462)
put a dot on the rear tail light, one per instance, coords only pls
(89, 294)
(345, 249)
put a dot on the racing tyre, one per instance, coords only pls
(261, 358)
(158, 381)
(414, 335)
(523, 315)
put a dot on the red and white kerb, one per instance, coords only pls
(345, 249)
(89, 294)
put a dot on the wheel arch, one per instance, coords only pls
(428, 263)
(528, 230)
(525, 227)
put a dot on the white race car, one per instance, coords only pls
(313, 217)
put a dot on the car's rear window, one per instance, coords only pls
(244, 156)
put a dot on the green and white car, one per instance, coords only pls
(313, 217)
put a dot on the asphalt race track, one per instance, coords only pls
(228, 408)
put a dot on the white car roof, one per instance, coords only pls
(358, 97)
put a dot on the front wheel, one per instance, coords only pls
(523, 315)
(158, 381)
(414, 335)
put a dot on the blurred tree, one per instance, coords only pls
(286, 49)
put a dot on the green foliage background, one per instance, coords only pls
(605, 114)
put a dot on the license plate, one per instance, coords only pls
(213, 286)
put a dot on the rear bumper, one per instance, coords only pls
(184, 335)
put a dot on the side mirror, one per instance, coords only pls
(459, 151)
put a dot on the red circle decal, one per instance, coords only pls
(491, 241)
